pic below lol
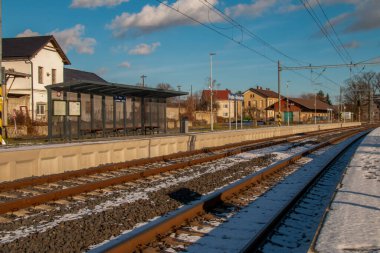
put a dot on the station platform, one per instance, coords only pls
(353, 221)
(37, 160)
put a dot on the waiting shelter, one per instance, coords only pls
(81, 108)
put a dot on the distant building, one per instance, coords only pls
(225, 108)
(257, 100)
(300, 110)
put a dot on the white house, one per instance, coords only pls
(30, 64)
(226, 108)
(42, 60)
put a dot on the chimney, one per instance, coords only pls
(258, 87)
(268, 89)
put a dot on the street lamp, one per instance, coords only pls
(179, 105)
(211, 84)
(287, 102)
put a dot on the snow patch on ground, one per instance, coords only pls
(353, 223)
(282, 151)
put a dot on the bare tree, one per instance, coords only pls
(307, 95)
(164, 86)
(358, 93)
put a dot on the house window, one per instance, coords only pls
(270, 102)
(225, 106)
(53, 76)
(225, 114)
(40, 75)
(261, 104)
(41, 109)
(249, 103)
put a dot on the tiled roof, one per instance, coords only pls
(74, 74)
(27, 47)
(218, 94)
(309, 103)
(266, 93)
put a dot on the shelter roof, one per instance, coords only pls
(28, 47)
(113, 89)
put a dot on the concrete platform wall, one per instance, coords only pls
(17, 163)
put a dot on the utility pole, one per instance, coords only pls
(179, 104)
(211, 84)
(340, 103)
(229, 111)
(369, 103)
(2, 83)
(143, 80)
(279, 92)
(315, 108)
(359, 105)
(287, 101)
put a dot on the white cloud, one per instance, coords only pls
(366, 16)
(119, 49)
(27, 33)
(353, 44)
(153, 18)
(71, 38)
(95, 3)
(102, 71)
(68, 39)
(255, 9)
(125, 64)
(144, 49)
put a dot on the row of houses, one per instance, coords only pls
(261, 104)
(32, 63)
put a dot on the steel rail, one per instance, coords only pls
(143, 235)
(26, 202)
(258, 239)
(33, 181)
(13, 205)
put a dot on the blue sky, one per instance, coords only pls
(123, 39)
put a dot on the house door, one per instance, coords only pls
(288, 115)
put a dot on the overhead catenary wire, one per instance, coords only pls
(334, 31)
(233, 22)
(236, 24)
(215, 30)
(316, 19)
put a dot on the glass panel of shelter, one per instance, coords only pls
(142, 116)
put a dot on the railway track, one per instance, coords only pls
(215, 209)
(89, 218)
(36, 191)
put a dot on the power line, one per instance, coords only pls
(254, 36)
(370, 59)
(316, 19)
(333, 29)
(218, 32)
(230, 20)
(233, 22)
